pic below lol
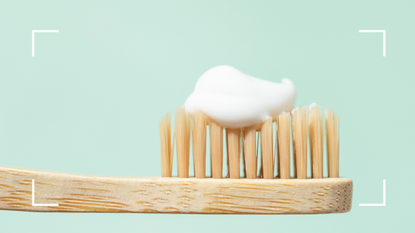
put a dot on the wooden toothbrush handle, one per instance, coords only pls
(61, 192)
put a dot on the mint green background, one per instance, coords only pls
(91, 98)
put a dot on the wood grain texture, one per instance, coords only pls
(82, 193)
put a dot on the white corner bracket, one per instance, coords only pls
(384, 37)
(33, 197)
(39, 31)
(384, 197)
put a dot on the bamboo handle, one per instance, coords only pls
(83, 193)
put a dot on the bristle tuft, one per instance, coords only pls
(182, 130)
(316, 141)
(300, 135)
(266, 149)
(332, 137)
(234, 155)
(216, 149)
(165, 146)
(250, 153)
(199, 144)
(284, 142)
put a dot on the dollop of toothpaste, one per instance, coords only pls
(236, 100)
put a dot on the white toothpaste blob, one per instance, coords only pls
(235, 100)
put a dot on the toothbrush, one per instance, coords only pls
(238, 111)
(32, 190)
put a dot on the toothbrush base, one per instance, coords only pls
(83, 193)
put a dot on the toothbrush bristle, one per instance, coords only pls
(300, 135)
(234, 153)
(182, 130)
(332, 137)
(199, 144)
(216, 149)
(284, 145)
(316, 141)
(266, 149)
(165, 146)
(305, 123)
(250, 153)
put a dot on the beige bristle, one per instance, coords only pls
(300, 135)
(316, 141)
(266, 149)
(234, 153)
(306, 122)
(250, 153)
(227, 152)
(199, 144)
(182, 130)
(165, 146)
(216, 149)
(258, 145)
(242, 142)
(274, 155)
(332, 137)
(284, 142)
